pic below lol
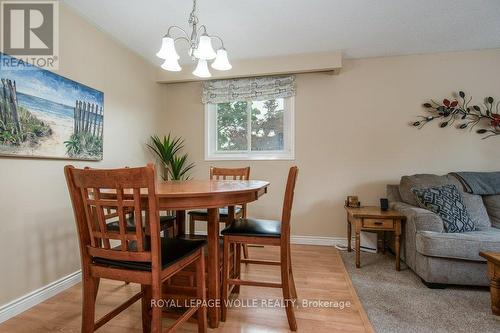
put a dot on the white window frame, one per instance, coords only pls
(288, 152)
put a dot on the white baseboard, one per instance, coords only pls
(306, 240)
(318, 240)
(35, 297)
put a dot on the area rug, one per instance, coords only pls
(399, 302)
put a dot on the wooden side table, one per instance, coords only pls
(494, 275)
(372, 218)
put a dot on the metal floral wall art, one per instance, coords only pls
(484, 119)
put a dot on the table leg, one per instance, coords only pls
(383, 242)
(213, 266)
(398, 245)
(358, 247)
(230, 215)
(495, 296)
(180, 220)
(349, 232)
(233, 251)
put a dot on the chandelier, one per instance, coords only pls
(200, 48)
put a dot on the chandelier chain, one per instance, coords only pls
(193, 19)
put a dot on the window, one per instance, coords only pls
(253, 130)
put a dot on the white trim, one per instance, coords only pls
(306, 240)
(289, 138)
(318, 240)
(35, 297)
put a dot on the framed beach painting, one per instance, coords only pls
(45, 115)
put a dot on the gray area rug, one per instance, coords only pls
(399, 302)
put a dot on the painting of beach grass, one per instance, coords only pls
(43, 114)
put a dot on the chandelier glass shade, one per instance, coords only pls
(201, 69)
(200, 48)
(172, 65)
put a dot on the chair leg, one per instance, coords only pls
(201, 293)
(191, 225)
(285, 281)
(237, 267)
(292, 281)
(245, 251)
(156, 310)
(90, 286)
(146, 309)
(96, 287)
(225, 276)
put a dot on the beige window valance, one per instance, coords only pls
(254, 89)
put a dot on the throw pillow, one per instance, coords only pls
(447, 202)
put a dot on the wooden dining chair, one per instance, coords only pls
(239, 211)
(264, 232)
(139, 255)
(167, 222)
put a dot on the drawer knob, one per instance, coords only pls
(378, 223)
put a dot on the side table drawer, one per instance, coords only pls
(378, 224)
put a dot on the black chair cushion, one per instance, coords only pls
(223, 212)
(254, 227)
(172, 250)
(115, 226)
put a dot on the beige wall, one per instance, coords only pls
(37, 232)
(352, 132)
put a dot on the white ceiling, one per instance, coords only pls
(261, 28)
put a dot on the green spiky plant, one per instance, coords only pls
(179, 167)
(166, 150)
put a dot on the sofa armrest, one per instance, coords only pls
(422, 219)
(417, 219)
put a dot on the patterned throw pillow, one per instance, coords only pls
(447, 202)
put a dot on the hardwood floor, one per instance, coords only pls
(319, 275)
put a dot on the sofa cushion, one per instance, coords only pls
(408, 183)
(392, 192)
(474, 203)
(492, 204)
(477, 210)
(447, 202)
(465, 245)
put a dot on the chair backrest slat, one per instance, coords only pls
(229, 173)
(101, 219)
(121, 219)
(90, 215)
(138, 217)
(101, 195)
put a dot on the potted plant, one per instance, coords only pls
(167, 150)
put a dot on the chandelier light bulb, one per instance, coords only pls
(221, 62)
(167, 50)
(171, 65)
(205, 50)
(201, 69)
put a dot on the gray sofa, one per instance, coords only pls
(446, 258)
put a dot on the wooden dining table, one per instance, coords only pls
(180, 196)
